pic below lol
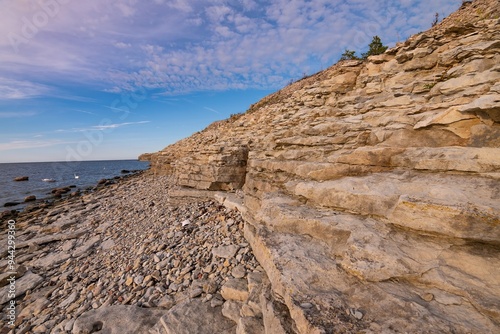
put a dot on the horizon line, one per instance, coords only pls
(94, 160)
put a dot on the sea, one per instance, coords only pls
(78, 175)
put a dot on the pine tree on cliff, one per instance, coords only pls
(376, 48)
(348, 55)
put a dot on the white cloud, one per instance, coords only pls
(211, 109)
(101, 127)
(117, 125)
(126, 10)
(121, 45)
(17, 89)
(17, 114)
(218, 14)
(84, 111)
(187, 45)
(182, 5)
(27, 144)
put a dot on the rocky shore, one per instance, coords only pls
(371, 187)
(362, 199)
(133, 248)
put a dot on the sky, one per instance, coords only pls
(111, 79)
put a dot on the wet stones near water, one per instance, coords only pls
(21, 178)
(107, 182)
(63, 190)
(59, 192)
(9, 204)
(111, 247)
(8, 214)
(30, 198)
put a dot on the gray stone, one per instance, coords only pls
(356, 314)
(254, 279)
(166, 302)
(59, 225)
(34, 308)
(231, 310)
(25, 283)
(87, 246)
(250, 325)
(138, 279)
(196, 292)
(196, 317)
(69, 325)
(226, 252)
(117, 319)
(18, 272)
(49, 238)
(69, 300)
(271, 318)
(49, 261)
(239, 271)
(235, 289)
(68, 245)
(216, 301)
(108, 244)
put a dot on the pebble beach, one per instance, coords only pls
(128, 243)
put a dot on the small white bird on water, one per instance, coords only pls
(77, 176)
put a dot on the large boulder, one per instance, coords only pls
(194, 316)
(190, 316)
(117, 319)
(30, 198)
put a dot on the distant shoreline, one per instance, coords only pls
(29, 208)
(62, 161)
(68, 179)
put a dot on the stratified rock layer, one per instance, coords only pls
(371, 190)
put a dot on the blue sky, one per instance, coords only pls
(111, 79)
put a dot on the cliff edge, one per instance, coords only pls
(371, 190)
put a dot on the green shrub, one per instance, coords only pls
(375, 48)
(348, 55)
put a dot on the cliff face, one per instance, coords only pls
(373, 188)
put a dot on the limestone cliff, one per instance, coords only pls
(372, 189)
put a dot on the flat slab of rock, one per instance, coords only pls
(195, 317)
(226, 252)
(235, 289)
(35, 307)
(25, 283)
(49, 238)
(250, 325)
(108, 244)
(50, 260)
(59, 225)
(19, 272)
(86, 246)
(117, 319)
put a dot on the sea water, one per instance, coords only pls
(81, 174)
